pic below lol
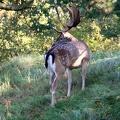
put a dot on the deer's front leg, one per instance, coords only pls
(69, 74)
(84, 67)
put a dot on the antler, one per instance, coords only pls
(74, 18)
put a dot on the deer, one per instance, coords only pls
(66, 54)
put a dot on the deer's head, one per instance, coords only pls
(74, 21)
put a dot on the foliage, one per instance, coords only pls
(24, 91)
(30, 31)
(100, 35)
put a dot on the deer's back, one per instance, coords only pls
(68, 52)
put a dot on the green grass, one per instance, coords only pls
(25, 94)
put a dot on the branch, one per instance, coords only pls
(15, 7)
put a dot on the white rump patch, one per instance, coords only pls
(51, 66)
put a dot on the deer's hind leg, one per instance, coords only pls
(52, 77)
(53, 88)
(59, 72)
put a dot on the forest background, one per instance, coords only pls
(26, 26)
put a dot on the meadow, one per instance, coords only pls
(25, 94)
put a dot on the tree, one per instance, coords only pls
(16, 6)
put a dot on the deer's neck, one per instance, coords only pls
(69, 36)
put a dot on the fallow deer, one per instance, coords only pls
(67, 53)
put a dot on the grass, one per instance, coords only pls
(25, 95)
